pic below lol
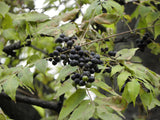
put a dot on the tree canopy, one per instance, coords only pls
(74, 69)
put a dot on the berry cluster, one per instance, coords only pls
(112, 53)
(142, 43)
(74, 55)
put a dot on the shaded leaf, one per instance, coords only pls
(10, 86)
(32, 59)
(65, 71)
(4, 8)
(157, 29)
(41, 65)
(105, 87)
(106, 18)
(133, 89)
(70, 15)
(1, 48)
(122, 77)
(84, 111)
(71, 103)
(126, 54)
(66, 86)
(26, 77)
(116, 69)
(117, 103)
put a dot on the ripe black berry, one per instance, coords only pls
(58, 48)
(62, 35)
(73, 62)
(54, 62)
(82, 83)
(76, 56)
(77, 47)
(57, 59)
(91, 79)
(73, 51)
(55, 53)
(66, 39)
(63, 56)
(77, 80)
(50, 59)
(59, 40)
(69, 43)
(80, 52)
(112, 53)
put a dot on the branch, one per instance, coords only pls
(35, 101)
(34, 47)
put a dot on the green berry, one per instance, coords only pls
(88, 85)
(85, 78)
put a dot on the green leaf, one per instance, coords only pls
(91, 11)
(155, 47)
(4, 8)
(116, 69)
(151, 17)
(146, 98)
(84, 111)
(1, 48)
(126, 54)
(104, 114)
(7, 22)
(32, 59)
(2, 117)
(10, 34)
(10, 86)
(35, 17)
(66, 86)
(122, 77)
(69, 29)
(106, 18)
(96, 92)
(157, 29)
(71, 103)
(105, 87)
(143, 10)
(26, 77)
(41, 65)
(65, 71)
(133, 89)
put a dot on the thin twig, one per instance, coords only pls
(34, 47)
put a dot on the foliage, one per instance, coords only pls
(30, 37)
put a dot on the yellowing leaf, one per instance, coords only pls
(70, 15)
(106, 18)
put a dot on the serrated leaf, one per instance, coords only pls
(133, 89)
(126, 54)
(104, 114)
(84, 111)
(157, 29)
(26, 77)
(4, 8)
(106, 18)
(122, 77)
(41, 65)
(32, 59)
(71, 103)
(70, 15)
(116, 69)
(105, 87)
(67, 70)
(115, 102)
(10, 34)
(10, 86)
(66, 86)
